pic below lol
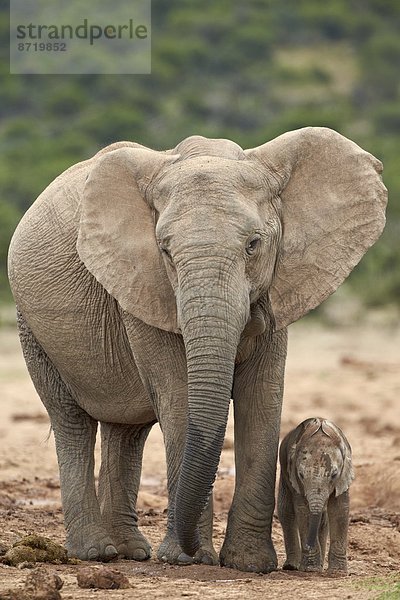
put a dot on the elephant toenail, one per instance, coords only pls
(185, 559)
(93, 554)
(110, 552)
(140, 554)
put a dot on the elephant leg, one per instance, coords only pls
(75, 436)
(287, 519)
(257, 395)
(338, 514)
(119, 478)
(161, 360)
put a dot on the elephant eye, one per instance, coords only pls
(334, 474)
(253, 244)
(164, 250)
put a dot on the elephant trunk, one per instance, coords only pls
(211, 321)
(313, 529)
(317, 497)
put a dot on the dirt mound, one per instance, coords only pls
(103, 578)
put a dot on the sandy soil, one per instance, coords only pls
(351, 376)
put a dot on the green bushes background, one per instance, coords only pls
(248, 71)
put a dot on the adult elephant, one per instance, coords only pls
(156, 286)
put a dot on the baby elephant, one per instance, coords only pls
(316, 472)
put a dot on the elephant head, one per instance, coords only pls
(319, 464)
(207, 240)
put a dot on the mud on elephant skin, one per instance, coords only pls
(156, 286)
(313, 500)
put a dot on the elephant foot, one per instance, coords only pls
(91, 543)
(257, 558)
(289, 566)
(337, 567)
(132, 545)
(310, 566)
(206, 556)
(171, 552)
(311, 562)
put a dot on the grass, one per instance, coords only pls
(386, 588)
(337, 61)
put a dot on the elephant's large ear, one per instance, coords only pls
(333, 210)
(347, 474)
(116, 239)
(303, 432)
(288, 452)
(291, 467)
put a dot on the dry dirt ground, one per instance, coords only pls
(350, 375)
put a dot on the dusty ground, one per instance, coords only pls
(349, 375)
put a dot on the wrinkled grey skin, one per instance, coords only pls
(313, 500)
(156, 286)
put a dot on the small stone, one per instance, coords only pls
(41, 584)
(102, 577)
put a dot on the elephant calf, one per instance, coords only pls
(316, 472)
